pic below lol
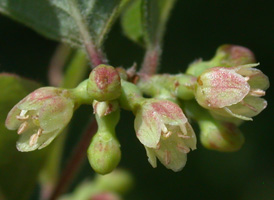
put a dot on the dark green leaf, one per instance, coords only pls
(56, 19)
(18, 171)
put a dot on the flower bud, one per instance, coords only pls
(40, 117)
(105, 196)
(122, 73)
(225, 137)
(103, 187)
(131, 96)
(233, 55)
(226, 56)
(119, 181)
(104, 83)
(184, 86)
(232, 92)
(163, 129)
(105, 107)
(104, 151)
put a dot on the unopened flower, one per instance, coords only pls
(104, 152)
(232, 92)
(40, 117)
(105, 196)
(163, 129)
(104, 83)
(227, 55)
(220, 136)
(104, 108)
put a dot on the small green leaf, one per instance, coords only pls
(56, 20)
(144, 21)
(19, 171)
(132, 22)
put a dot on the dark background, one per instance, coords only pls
(195, 30)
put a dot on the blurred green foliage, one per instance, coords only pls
(196, 28)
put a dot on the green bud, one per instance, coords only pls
(198, 67)
(104, 151)
(225, 137)
(184, 86)
(105, 196)
(226, 56)
(102, 187)
(232, 55)
(131, 96)
(214, 134)
(119, 181)
(104, 83)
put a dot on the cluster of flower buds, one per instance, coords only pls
(228, 89)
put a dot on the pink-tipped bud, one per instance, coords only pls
(226, 56)
(104, 83)
(234, 55)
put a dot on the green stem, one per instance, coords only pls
(74, 163)
(179, 86)
(74, 74)
(154, 37)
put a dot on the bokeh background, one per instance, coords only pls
(196, 28)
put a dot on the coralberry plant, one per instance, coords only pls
(219, 94)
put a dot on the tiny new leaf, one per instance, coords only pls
(144, 21)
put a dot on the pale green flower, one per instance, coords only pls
(163, 129)
(232, 92)
(40, 117)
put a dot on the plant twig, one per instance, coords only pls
(95, 54)
(57, 63)
(151, 60)
(75, 161)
